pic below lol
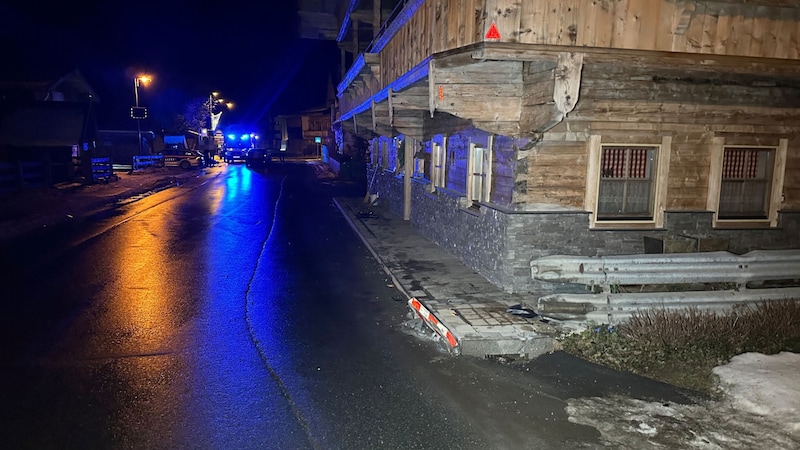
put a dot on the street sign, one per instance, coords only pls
(138, 112)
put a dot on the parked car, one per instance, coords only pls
(258, 157)
(233, 154)
(183, 158)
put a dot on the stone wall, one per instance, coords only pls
(500, 244)
(476, 237)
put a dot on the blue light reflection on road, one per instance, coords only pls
(239, 183)
(273, 317)
(227, 361)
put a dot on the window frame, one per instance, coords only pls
(659, 183)
(439, 164)
(485, 173)
(776, 181)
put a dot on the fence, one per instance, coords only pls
(101, 169)
(713, 281)
(142, 161)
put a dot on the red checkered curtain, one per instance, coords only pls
(638, 163)
(614, 164)
(740, 164)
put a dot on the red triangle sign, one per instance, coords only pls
(493, 33)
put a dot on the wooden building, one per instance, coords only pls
(528, 128)
(304, 133)
(52, 124)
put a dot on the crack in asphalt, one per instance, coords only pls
(250, 329)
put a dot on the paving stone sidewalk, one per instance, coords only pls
(470, 307)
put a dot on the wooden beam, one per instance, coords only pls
(376, 15)
(502, 51)
(489, 72)
(432, 89)
(373, 115)
(501, 128)
(389, 100)
(497, 107)
(540, 118)
(567, 81)
(409, 99)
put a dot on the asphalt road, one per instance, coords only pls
(243, 312)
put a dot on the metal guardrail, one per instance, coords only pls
(679, 272)
(577, 310)
(674, 268)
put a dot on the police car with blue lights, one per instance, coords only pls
(237, 145)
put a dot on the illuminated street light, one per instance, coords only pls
(214, 99)
(211, 143)
(137, 112)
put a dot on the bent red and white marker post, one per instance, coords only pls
(434, 323)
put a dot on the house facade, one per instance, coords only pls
(505, 131)
(305, 133)
(51, 125)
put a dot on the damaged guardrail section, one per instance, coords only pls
(623, 284)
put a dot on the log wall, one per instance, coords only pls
(709, 27)
(556, 168)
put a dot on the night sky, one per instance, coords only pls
(246, 50)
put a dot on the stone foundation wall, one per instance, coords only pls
(499, 244)
(475, 237)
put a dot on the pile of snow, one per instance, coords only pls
(765, 385)
(760, 409)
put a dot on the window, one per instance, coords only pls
(439, 162)
(746, 185)
(626, 184)
(627, 189)
(479, 172)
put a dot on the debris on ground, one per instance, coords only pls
(519, 310)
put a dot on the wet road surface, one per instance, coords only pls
(243, 312)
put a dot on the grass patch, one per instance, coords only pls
(681, 347)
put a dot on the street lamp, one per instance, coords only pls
(214, 99)
(137, 112)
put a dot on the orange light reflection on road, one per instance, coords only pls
(142, 275)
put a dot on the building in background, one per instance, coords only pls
(304, 134)
(48, 131)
